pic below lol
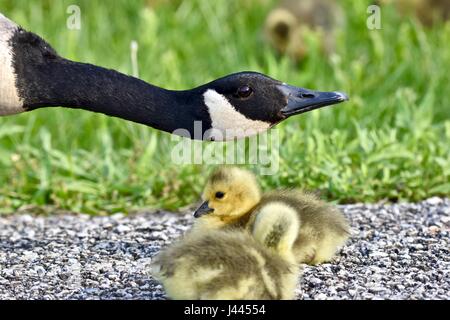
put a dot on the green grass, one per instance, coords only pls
(391, 141)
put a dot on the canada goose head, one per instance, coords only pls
(247, 103)
(33, 75)
(229, 194)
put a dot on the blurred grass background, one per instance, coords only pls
(390, 142)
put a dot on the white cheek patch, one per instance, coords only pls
(10, 102)
(227, 123)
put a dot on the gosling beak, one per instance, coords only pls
(202, 210)
(302, 100)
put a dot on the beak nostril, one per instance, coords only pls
(307, 95)
(301, 100)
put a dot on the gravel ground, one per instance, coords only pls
(397, 251)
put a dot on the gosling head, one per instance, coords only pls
(229, 194)
(279, 26)
(248, 103)
(288, 26)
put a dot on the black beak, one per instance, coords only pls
(302, 100)
(202, 210)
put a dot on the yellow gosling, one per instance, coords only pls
(232, 264)
(428, 12)
(232, 199)
(288, 24)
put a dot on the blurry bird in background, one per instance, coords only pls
(428, 12)
(288, 24)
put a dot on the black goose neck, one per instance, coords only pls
(45, 79)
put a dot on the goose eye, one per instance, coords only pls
(220, 195)
(245, 91)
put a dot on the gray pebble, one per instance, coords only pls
(397, 251)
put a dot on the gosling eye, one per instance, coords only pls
(219, 195)
(245, 91)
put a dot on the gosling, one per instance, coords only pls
(232, 199)
(232, 264)
(287, 25)
(428, 12)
